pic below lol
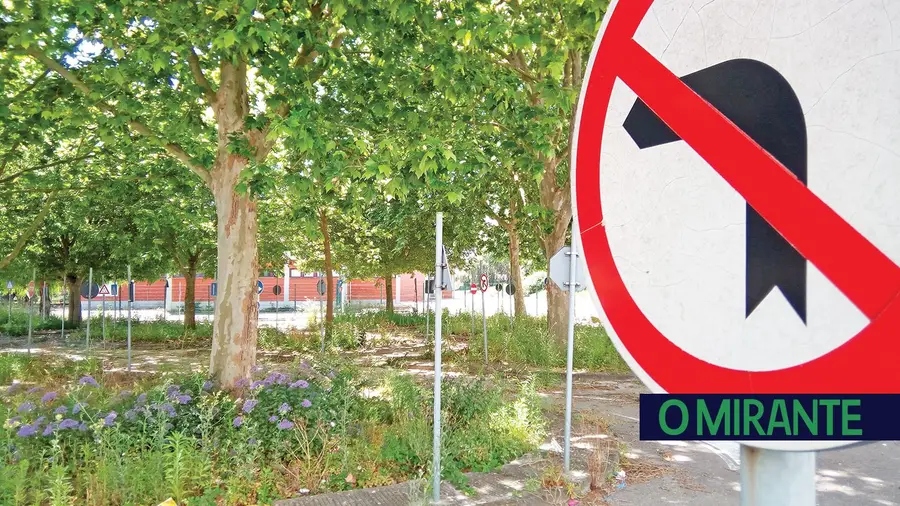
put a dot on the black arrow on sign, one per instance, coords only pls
(759, 101)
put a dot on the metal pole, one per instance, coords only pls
(426, 302)
(473, 314)
(777, 478)
(276, 307)
(128, 332)
(9, 311)
(103, 319)
(322, 322)
(31, 306)
(63, 329)
(484, 324)
(438, 290)
(87, 334)
(570, 348)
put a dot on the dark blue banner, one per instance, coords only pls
(770, 417)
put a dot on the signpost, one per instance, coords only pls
(473, 288)
(499, 288)
(277, 291)
(62, 330)
(9, 287)
(737, 277)
(320, 287)
(510, 290)
(104, 291)
(130, 302)
(442, 278)
(213, 293)
(89, 291)
(483, 285)
(31, 305)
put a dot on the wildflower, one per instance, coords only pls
(27, 430)
(299, 384)
(249, 404)
(141, 400)
(130, 414)
(48, 397)
(82, 427)
(285, 425)
(12, 422)
(273, 418)
(252, 441)
(238, 421)
(110, 419)
(49, 429)
(304, 365)
(284, 408)
(33, 390)
(40, 420)
(172, 391)
(167, 408)
(306, 403)
(255, 369)
(62, 410)
(183, 398)
(77, 408)
(207, 385)
(68, 423)
(258, 384)
(88, 380)
(241, 383)
(25, 407)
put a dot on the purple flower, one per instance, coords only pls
(276, 378)
(172, 391)
(88, 380)
(25, 407)
(110, 419)
(130, 414)
(285, 425)
(252, 441)
(299, 384)
(49, 429)
(33, 390)
(68, 423)
(258, 384)
(249, 404)
(14, 419)
(27, 430)
(48, 397)
(40, 420)
(82, 427)
(304, 365)
(141, 400)
(241, 383)
(12, 388)
(207, 385)
(273, 418)
(62, 410)
(255, 369)
(238, 421)
(168, 408)
(306, 403)
(77, 408)
(183, 398)
(284, 408)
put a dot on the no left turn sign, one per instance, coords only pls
(731, 196)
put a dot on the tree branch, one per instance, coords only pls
(200, 79)
(173, 149)
(11, 177)
(26, 235)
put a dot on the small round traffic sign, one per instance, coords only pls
(276, 289)
(483, 282)
(499, 287)
(510, 289)
(92, 293)
(737, 244)
(473, 288)
(259, 286)
(320, 287)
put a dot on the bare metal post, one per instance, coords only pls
(777, 478)
(31, 305)
(128, 332)
(438, 293)
(570, 348)
(87, 334)
(63, 318)
(484, 324)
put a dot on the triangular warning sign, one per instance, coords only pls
(104, 290)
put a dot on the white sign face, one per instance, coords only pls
(708, 272)
(9, 285)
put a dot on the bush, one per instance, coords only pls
(303, 427)
(16, 324)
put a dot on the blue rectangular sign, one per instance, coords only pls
(823, 417)
(213, 289)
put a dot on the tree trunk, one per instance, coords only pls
(557, 199)
(190, 295)
(74, 310)
(45, 301)
(389, 293)
(515, 268)
(235, 329)
(329, 268)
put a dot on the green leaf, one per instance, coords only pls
(454, 197)
(153, 38)
(229, 38)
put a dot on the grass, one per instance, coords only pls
(301, 428)
(16, 323)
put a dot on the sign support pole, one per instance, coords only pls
(128, 331)
(425, 302)
(570, 349)
(103, 319)
(484, 325)
(9, 311)
(31, 306)
(322, 320)
(777, 478)
(438, 293)
(63, 318)
(473, 313)
(87, 334)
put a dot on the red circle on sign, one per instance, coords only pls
(863, 364)
(473, 289)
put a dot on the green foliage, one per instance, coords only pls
(16, 323)
(301, 426)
